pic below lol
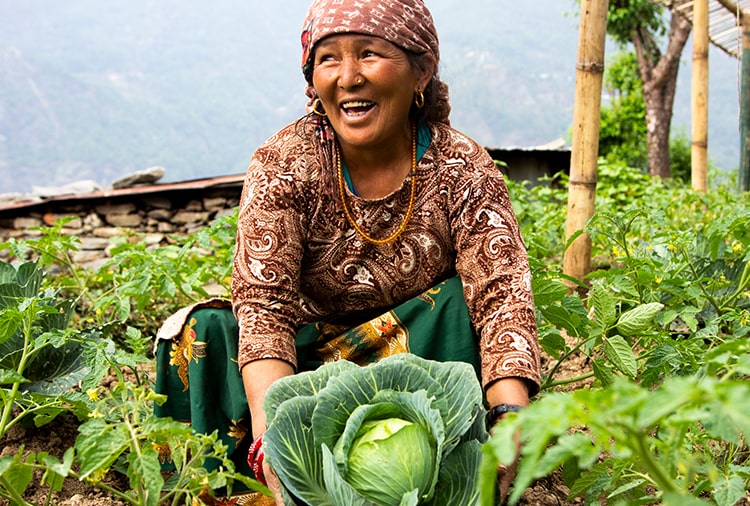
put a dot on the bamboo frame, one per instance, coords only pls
(585, 142)
(723, 22)
(699, 97)
(744, 169)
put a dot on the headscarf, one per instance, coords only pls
(405, 23)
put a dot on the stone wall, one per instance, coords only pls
(162, 211)
(160, 215)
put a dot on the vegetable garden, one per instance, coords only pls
(660, 413)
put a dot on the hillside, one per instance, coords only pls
(95, 90)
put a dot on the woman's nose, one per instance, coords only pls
(350, 74)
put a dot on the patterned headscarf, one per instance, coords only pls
(405, 23)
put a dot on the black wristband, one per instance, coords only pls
(499, 411)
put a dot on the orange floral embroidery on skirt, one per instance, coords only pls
(185, 350)
(369, 342)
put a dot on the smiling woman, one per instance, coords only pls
(367, 228)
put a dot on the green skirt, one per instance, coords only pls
(197, 369)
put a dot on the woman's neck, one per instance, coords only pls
(376, 172)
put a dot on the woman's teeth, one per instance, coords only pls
(357, 108)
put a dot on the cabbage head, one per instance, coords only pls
(400, 432)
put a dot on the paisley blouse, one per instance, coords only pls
(299, 261)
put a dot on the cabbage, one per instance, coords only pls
(403, 431)
(386, 448)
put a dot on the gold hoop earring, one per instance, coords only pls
(317, 111)
(419, 99)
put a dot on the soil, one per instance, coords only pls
(59, 435)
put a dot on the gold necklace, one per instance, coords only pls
(412, 198)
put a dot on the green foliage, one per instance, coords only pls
(49, 359)
(40, 359)
(627, 444)
(626, 17)
(622, 131)
(663, 320)
(123, 434)
(665, 326)
(137, 275)
(680, 154)
(537, 209)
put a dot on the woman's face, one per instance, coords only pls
(367, 86)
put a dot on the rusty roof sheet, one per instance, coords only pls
(196, 184)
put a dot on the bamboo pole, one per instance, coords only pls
(585, 138)
(699, 97)
(744, 175)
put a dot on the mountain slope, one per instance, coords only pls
(95, 90)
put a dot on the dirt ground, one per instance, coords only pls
(59, 435)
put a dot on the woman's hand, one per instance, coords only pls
(273, 483)
(515, 392)
(257, 377)
(506, 474)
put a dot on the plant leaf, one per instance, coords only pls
(99, 444)
(345, 392)
(727, 492)
(620, 353)
(602, 371)
(289, 447)
(605, 309)
(144, 472)
(8, 377)
(55, 471)
(10, 322)
(340, 491)
(638, 319)
(307, 383)
(55, 370)
(548, 291)
(16, 472)
(457, 479)
(592, 482)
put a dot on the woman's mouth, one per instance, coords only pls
(357, 108)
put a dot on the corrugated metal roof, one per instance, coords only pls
(723, 21)
(197, 184)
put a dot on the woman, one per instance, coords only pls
(370, 227)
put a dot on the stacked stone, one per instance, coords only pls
(157, 218)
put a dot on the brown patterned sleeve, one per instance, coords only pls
(265, 276)
(493, 265)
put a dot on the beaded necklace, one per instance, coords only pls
(412, 198)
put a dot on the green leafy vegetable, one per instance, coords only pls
(403, 431)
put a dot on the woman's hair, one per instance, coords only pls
(433, 109)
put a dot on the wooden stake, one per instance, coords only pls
(699, 97)
(744, 172)
(585, 149)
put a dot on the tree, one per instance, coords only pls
(622, 136)
(642, 23)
